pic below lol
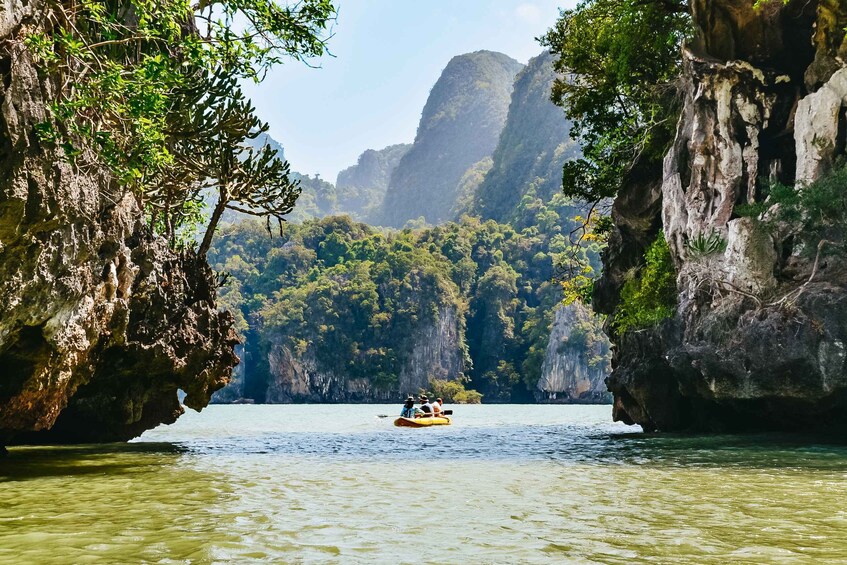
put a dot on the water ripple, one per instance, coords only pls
(299, 484)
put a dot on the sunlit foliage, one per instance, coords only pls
(152, 88)
(619, 59)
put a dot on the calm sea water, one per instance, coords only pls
(504, 484)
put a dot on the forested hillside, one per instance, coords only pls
(532, 148)
(335, 310)
(364, 184)
(459, 127)
(338, 311)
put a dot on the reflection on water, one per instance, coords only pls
(505, 484)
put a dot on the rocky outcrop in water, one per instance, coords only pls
(101, 323)
(758, 340)
(577, 361)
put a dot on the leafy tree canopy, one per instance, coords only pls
(651, 296)
(145, 82)
(354, 298)
(619, 59)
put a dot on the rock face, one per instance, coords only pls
(577, 361)
(364, 184)
(459, 127)
(436, 350)
(233, 392)
(532, 148)
(764, 100)
(101, 323)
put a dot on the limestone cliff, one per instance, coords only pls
(100, 322)
(533, 146)
(577, 360)
(434, 350)
(758, 340)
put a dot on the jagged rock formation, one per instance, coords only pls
(233, 392)
(101, 323)
(764, 100)
(364, 184)
(435, 350)
(532, 148)
(577, 361)
(460, 126)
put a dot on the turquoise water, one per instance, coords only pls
(504, 484)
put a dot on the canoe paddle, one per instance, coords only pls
(445, 413)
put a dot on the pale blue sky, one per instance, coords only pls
(388, 54)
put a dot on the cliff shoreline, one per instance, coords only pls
(102, 322)
(757, 340)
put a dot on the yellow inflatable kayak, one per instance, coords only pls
(422, 422)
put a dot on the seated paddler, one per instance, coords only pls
(426, 407)
(409, 410)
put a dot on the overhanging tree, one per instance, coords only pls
(246, 179)
(619, 60)
(136, 78)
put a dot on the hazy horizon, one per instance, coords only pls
(326, 117)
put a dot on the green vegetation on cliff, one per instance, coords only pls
(809, 217)
(533, 146)
(651, 296)
(150, 92)
(352, 302)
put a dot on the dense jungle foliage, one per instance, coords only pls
(351, 296)
(618, 61)
(651, 296)
(150, 91)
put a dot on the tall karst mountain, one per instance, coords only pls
(364, 184)
(460, 126)
(533, 146)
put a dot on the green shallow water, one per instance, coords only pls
(513, 484)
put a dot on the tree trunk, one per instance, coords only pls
(213, 224)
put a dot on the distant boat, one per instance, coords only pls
(422, 422)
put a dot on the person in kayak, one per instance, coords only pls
(440, 403)
(436, 409)
(409, 410)
(426, 407)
